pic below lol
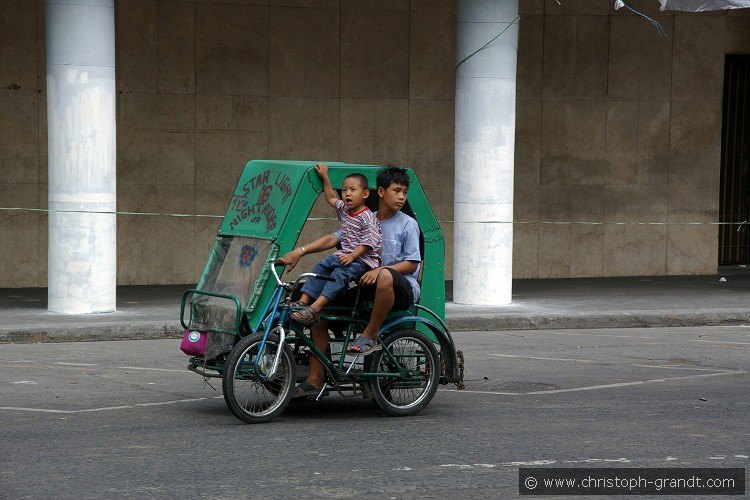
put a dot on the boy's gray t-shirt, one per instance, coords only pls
(400, 243)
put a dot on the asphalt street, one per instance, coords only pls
(127, 420)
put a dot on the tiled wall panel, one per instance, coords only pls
(617, 137)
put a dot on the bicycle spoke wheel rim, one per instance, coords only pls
(410, 354)
(254, 395)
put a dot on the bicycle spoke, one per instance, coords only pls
(254, 394)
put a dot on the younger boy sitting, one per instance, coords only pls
(361, 243)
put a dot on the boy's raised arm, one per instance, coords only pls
(330, 193)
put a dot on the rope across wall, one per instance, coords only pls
(546, 222)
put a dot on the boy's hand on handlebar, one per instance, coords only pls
(345, 259)
(290, 260)
(370, 277)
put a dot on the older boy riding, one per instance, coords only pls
(391, 286)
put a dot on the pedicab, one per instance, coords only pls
(237, 319)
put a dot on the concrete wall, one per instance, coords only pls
(614, 123)
(204, 86)
(619, 124)
(23, 146)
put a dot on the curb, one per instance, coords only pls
(591, 321)
(162, 330)
(91, 334)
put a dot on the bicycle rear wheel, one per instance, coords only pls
(405, 394)
(251, 396)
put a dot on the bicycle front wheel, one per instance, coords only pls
(411, 360)
(251, 395)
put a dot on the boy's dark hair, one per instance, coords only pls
(391, 174)
(361, 178)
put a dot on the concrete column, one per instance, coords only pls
(485, 140)
(81, 151)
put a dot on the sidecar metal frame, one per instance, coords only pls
(264, 219)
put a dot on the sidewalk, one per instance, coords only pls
(148, 312)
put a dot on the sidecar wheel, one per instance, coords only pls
(408, 394)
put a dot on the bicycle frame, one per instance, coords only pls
(276, 314)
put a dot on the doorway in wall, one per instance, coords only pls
(734, 198)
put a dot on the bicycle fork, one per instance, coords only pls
(277, 358)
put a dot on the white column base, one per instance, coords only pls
(82, 273)
(482, 270)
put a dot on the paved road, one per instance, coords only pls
(125, 419)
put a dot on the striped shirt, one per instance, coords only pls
(361, 228)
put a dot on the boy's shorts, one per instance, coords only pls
(403, 297)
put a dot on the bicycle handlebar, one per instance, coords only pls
(324, 277)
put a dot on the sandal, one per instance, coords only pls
(307, 389)
(305, 316)
(364, 346)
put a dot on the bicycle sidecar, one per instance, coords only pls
(263, 221)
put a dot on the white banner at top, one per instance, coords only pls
(703, 5)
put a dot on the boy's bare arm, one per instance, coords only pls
(348, 258)
(330, 193)
(291, 258)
